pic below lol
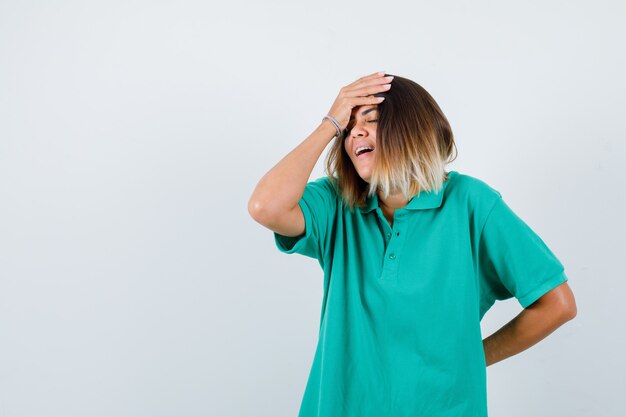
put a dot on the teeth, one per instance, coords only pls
(360, 148)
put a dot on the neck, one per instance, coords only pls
(394, 201)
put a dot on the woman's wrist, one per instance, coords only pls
(335, 123)
(327, 128)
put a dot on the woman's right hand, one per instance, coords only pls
(359, 93)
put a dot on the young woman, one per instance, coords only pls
(413, 257)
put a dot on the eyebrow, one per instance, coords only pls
(364, 112)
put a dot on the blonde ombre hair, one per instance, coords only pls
(414, 142)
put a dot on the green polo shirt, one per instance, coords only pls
(400, 319)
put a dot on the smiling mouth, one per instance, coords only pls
(364, 153)
(361, 150)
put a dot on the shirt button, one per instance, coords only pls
(392, 256)
(388, 235)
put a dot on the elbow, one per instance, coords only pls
(559, 303)
(255, 210)
(567, 309)
(570, 310)
(261, 212)
(569, 305)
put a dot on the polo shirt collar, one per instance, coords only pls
(425, 200)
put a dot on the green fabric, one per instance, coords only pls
(401, 309)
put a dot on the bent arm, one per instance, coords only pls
(532, 325)
(274, 201)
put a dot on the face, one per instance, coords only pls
(361, 132)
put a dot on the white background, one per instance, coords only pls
(133, 281)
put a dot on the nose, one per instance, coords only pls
(357, 130)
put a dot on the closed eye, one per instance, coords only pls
(349, 128)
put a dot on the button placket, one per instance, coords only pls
(395, 243)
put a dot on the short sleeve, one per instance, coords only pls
(319, 204)
(513, 260)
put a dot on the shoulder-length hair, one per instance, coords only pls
(414, 142)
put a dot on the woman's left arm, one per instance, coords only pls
(533, 324)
